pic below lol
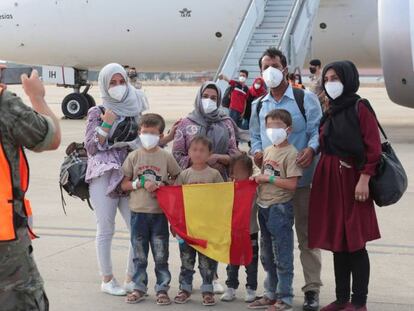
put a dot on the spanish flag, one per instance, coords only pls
(212, 218)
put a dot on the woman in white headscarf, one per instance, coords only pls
(104, 167)
(107, 143)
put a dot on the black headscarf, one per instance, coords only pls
(341, 130)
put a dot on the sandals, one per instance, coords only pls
(208, 299)
(262, 303)
(182, 297)
(135, 297)
(163, 299)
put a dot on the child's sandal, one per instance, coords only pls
(163, 299)
(135, 297)
(208, 299)
(182, 297)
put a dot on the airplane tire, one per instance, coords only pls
(91, 100)
(75, 106)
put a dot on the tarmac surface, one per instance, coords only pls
(65, 252)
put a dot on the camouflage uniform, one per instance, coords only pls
(316, 87)
(21, 286)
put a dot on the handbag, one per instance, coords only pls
(390, 181)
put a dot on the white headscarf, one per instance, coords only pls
(133, 103)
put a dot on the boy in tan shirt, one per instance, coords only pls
(278, 181)
(145, 170)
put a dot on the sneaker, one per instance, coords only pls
(217, 287)
(280, 306)
(250, 295)
(335, 306)
(262, 303)
(311, 302)
(113, 288)
(229, 295)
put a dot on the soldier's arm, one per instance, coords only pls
(35, 90)
(26, 127)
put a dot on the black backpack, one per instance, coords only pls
(225, 102)
(73, 172)
(299, 95)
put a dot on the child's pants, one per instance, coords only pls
(251, 269)
(150, 230)
(276, 226)
(206, 266)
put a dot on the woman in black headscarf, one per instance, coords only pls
(341, 214)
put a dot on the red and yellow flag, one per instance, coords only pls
(213, 218)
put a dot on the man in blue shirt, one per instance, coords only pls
(305, 137)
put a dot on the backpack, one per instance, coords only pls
(299, 95)
(73, 172)
(225, 102)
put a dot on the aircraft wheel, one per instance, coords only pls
(91, 100)
(75, 106)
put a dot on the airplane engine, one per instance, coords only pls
(396, 34)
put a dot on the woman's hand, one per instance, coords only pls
(214, 158)
(362, 188)
(171, 134)
(109, 117)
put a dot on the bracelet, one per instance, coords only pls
(106, 125)
(142, 181)
(272, 179)
(101, 132)
(134, 184)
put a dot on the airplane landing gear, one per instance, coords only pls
(77, 104)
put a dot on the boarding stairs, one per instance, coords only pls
(284, 24)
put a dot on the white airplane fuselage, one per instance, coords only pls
(194, 35)
(159, 35)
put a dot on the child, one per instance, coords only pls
(145, 170)
(199, 173)
(241, 168)
(278, 181)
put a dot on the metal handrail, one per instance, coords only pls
(253, 4)
(290, 22)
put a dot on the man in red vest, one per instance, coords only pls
(37, 129)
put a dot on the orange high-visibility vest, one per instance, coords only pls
(7, 213)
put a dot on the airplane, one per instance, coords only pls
(69, 37)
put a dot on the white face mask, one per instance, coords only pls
(149, 141)
(257, 86)
(276, 136)
(117, 92)
(209, 105)
(242, 79)
(273, 77)
(334, 89)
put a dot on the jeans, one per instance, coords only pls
(236, 116)
(276, 244)
(150, 230)
(207, 267)
(251, 269)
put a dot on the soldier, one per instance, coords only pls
(37, 129)
(133, 78)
